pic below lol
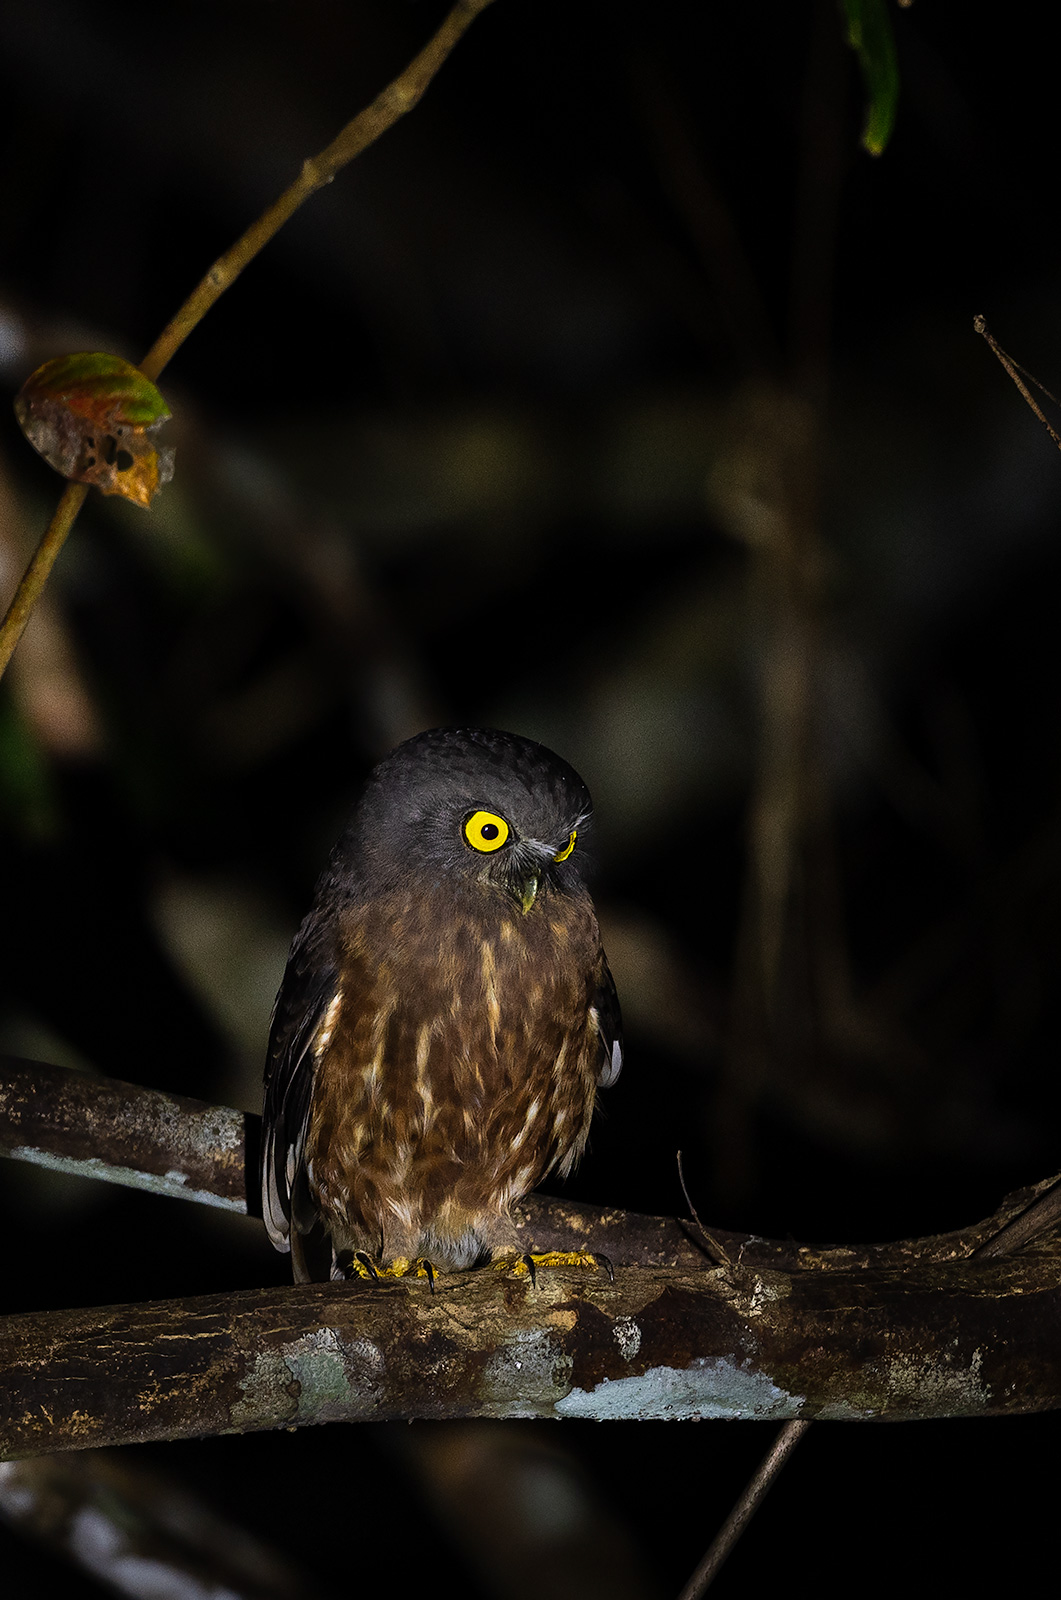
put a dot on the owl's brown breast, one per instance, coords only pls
(456, 1066)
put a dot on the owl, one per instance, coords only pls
(446, 1016)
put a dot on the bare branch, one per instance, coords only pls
(943, 1326)
(969, 1338)
(392, 103)
(748, 1504)
(100, 1128)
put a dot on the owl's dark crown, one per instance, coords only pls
(416, 805)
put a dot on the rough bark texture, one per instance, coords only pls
(102, 1128)
(959, 1324)
(962, 1339)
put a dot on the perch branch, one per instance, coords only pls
(100, 1128)
(943, 1326)
(967, 1338)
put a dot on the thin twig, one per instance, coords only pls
(746, 1507)
(1040, 1216)
(398, 98)
(1015, 370)
(716, 1251)
(36, 574)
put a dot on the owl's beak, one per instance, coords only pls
(527, 893)
(526, 866)
(522, 872)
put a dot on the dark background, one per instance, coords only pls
(461, 447)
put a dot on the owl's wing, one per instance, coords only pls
(308, 989)
(609, 1022)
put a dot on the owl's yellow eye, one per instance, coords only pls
(562, 855)
(486, 831)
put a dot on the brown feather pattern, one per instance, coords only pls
(457, 1066)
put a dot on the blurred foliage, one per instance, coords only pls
(869, 33)
(27, 799)
(618, 398)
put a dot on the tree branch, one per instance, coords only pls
(962, 1339)
(957, 1324)
(100, 1128)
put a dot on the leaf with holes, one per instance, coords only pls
(92, 417)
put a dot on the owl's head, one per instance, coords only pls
(486, 806)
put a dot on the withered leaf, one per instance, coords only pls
(92, 417)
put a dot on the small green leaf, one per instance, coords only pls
(869, 33)
(93, 381)
(91, 417)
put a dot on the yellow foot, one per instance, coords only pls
(526, 1265)
(363, 1266)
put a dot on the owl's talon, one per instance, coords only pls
(588, 1259)
(520, 1264)
(424, 1269)
(525, 1265)
(363, 1266)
